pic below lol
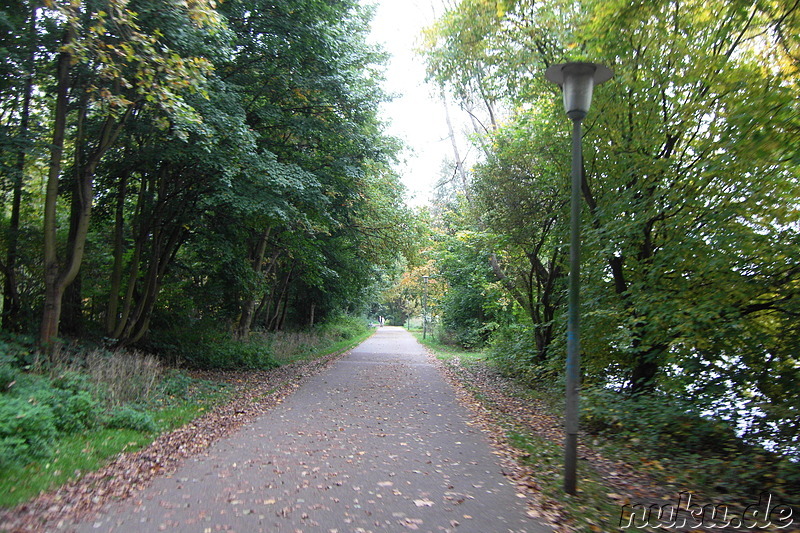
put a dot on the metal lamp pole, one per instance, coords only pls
(425, 306)
(577, 81)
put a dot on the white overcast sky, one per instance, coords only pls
(415, 116)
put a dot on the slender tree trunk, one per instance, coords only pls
(133, 269)
(72, 305)
(53, 280)
(264, 307)
(462, 174)
(279, 312)
(156, 273)
(57, 279)
(249, 303)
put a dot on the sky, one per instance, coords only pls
(415, 116)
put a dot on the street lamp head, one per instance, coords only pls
(577, 80)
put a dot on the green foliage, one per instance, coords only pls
(203, 347)
(8, 375)
(27, 431)
(342, 327)
(38, 451)
(176, 384)
(653, 422)
(72, 411)
(513, 349)
(16, 350)
(129, 417)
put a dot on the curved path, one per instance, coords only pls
(375, 443)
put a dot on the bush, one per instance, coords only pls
(342, 327)
(176, 385)
(513, 349)
(72, 411)
(13, 452)
(668, 427)
(654, 422)
(27, 430)
(127, 417)
(17, 350)
(72, 381)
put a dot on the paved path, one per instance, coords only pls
(375, 443)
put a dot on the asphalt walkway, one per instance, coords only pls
(377, 442)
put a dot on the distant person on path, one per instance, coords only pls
(381, 320)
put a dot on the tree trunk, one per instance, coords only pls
(162, 258)
(275, 323)
(133, 269)
(249, 303)
(53, 280)
(71, 307)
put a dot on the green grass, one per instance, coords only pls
(342, 345)
(74, 456)
(445, 352)
(90, 450)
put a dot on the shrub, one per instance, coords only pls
(13, 452)
(27, 430)
(656, 422)
(72, 381)
(667, 426)
(513, 349)
(176, 385)
(72, 411)
(127, 417)
(342, 327)
(17, 350)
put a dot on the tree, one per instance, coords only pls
(690, 178)
(107, 67)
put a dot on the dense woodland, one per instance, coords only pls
(191, 165)
(691, 218)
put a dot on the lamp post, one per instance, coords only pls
(577, 80)
(425, 306)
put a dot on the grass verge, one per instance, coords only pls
(445, 352)
(79, 453)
